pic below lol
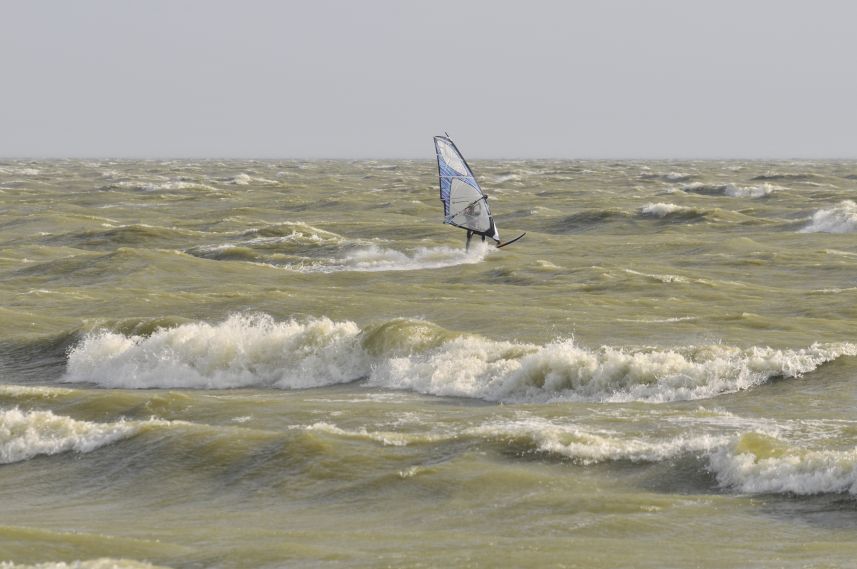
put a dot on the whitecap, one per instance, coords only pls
(664, 209)
(841, 218)
(255, 350)
(785, 469)
(26, 434)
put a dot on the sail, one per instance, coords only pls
(464, 203)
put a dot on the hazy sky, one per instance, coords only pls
(585, 79)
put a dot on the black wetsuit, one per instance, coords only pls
(469, 235)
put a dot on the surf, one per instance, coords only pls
(256, 350)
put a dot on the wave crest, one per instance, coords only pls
(757, 463)
(841, 218)
(501, 371)
(242, 351)
(255, 350)
(26, 434)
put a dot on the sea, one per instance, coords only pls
(286, 363)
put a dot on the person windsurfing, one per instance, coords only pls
(465, 205)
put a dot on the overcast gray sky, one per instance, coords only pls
(369, 78)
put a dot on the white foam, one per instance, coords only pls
(758, 191)
(375, 258)
(388, 438)
(167, 185)
(25, 434)
(785, 469)
(666, 279)
(243, 179)
(588, 446)
(255, 350)
(676, 176)
(664, 209)
(502, 371)
(241, 351)
(841, 218)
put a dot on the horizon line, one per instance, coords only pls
(430, 158)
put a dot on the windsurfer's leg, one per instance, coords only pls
(467, 245)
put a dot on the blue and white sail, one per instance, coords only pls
(465, 205)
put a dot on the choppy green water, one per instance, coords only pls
(266, 364)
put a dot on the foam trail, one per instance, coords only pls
(26, 434)
(374, 258)
(841, 218)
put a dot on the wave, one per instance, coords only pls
(661, 278)
(732, 190)
(786, 177)
(759, 463)
(271, 243)
(243, 179)
(256, 350)
(760, 191)
(841, 218)
(20, 171)
(563, 371)
(26, 434)
(673, 211)
(138, 234)
(668, 177)
(159, 186)
(294, 230)
(588, 219)
(242, 351)
(746, 455)
(303, 248)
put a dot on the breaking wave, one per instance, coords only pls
(841, 218)
(733, 190)
(662, 210)
(26, 434)
(256, 350)
(667, 177)
(242, 351)
(160, 186)
(758, 463)
(244, 179)
(747, 455)
(759, 191)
